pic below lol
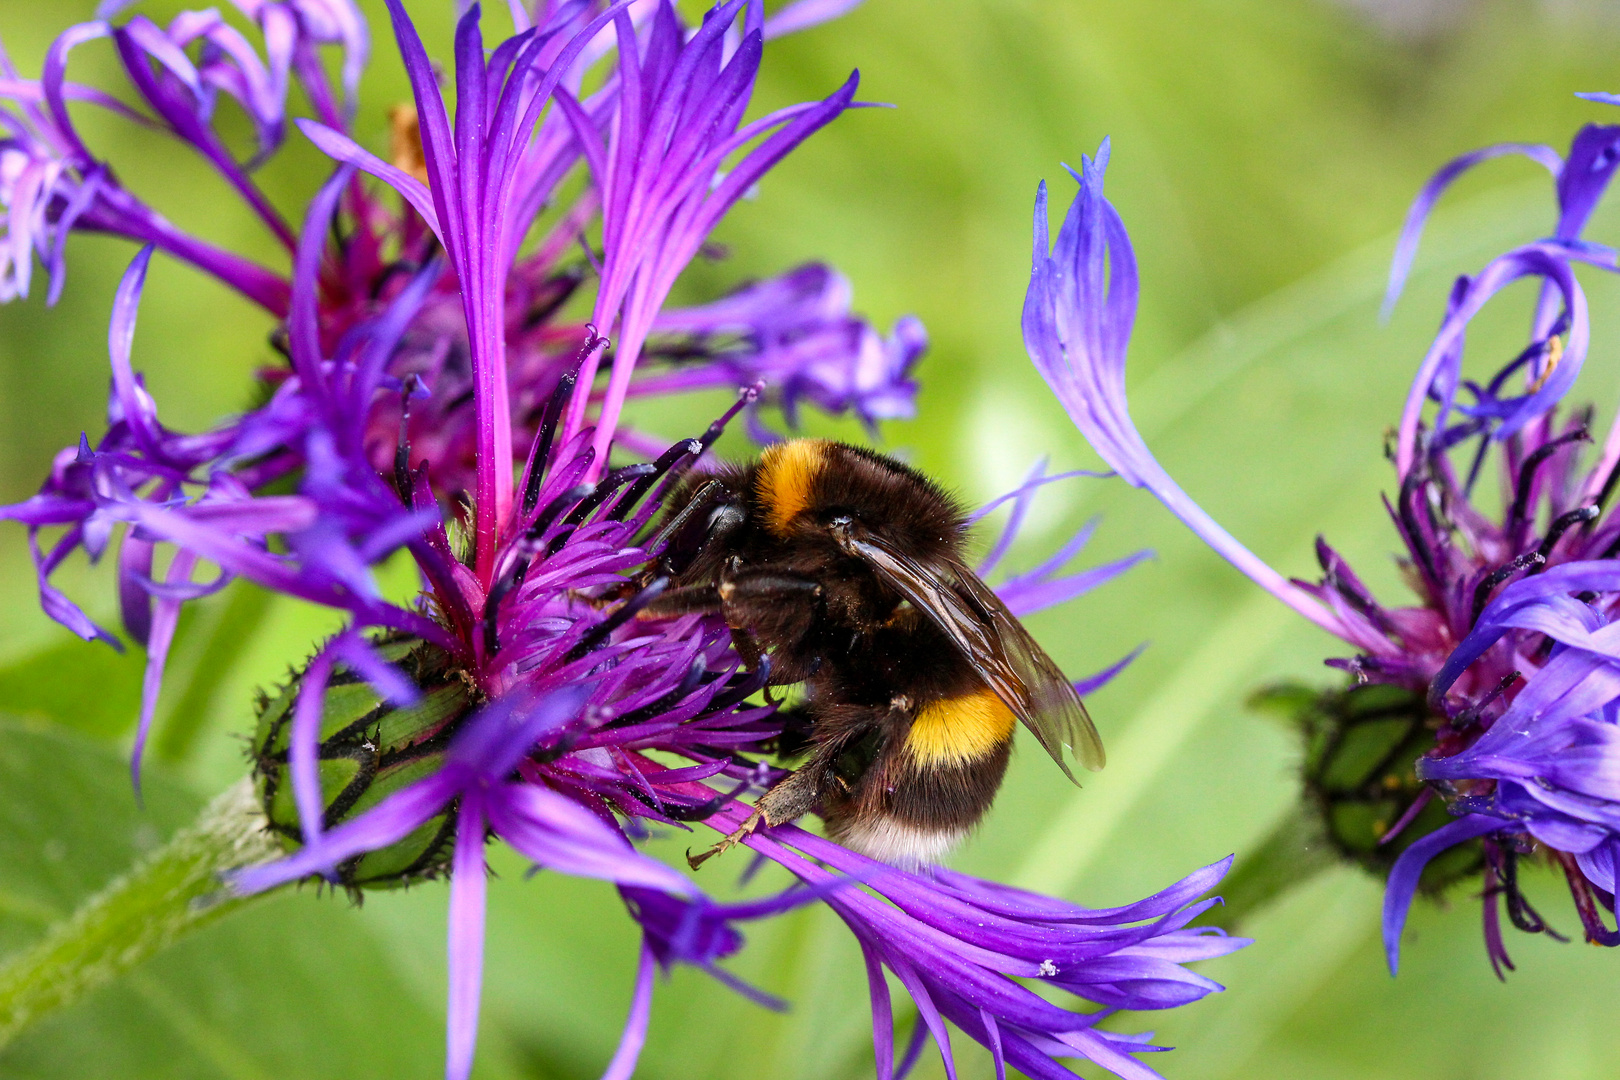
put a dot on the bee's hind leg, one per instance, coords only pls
(742, 833)
(789, 800)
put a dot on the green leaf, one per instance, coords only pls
(294, 986)
(84, 685)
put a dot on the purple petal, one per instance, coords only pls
(1091, 684)
(341, 148)
(164, 619)
(1441, 361)
(558, 833)
(1412, 231)
(803, 14)
(468, 884)
(1408, 869)
(1077, 322)
(136, 404)
(303, 744)
(623, 1065)
(1593, 156)
(390, 821)
(303, 326)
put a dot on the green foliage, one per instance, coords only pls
(292, 986)
(1263, 152)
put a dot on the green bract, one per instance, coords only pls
(369, 749)
(1361, 744)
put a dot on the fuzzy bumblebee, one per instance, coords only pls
(368, 750)
(848, 570)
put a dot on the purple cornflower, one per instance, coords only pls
(182, 75)
(431, 405)
(1504, 668)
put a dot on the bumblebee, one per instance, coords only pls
(846, 568)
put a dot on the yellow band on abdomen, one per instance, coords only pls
(960, 729)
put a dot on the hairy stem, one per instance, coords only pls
(169, 893)
(1296, 851)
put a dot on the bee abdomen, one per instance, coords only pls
(957, 731)
(888, 839)
(914, 814)
(918, 804)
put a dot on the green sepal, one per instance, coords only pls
(421, 854)
(369, 749)
(1362, 744)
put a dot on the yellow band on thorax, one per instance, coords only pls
(787, 475)
(960, 729)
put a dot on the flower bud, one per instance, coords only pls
(368, 750)
(1361, 747)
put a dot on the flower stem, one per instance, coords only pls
(1296, 851)
(167, 894)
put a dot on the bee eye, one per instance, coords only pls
(724, 518)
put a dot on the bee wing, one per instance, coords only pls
(995, 643)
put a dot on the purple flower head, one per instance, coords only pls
(1579, 181)
(956, 944)
(795, 334)
(650, 223)
(1503, 667)
(432, 405)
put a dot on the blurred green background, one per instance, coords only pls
(1264, 152)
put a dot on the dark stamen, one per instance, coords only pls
(690, 682)
(562, 288)
(1609, 483)
(744, 688)
(402, 451)
(1523, 916)
(1474, 466)
(1471, 714)
(540, 454)
(693, 447)
(1482, 591)
(626, 611)
(557, 506)
(1527, 471)
(518, 571)
(1561, 525)
(610, 483)
(512, 579)
(561, 748)
(696, 812)
(662, 465)
(1412, 489)
(1585, 904)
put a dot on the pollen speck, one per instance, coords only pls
(405, 142)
